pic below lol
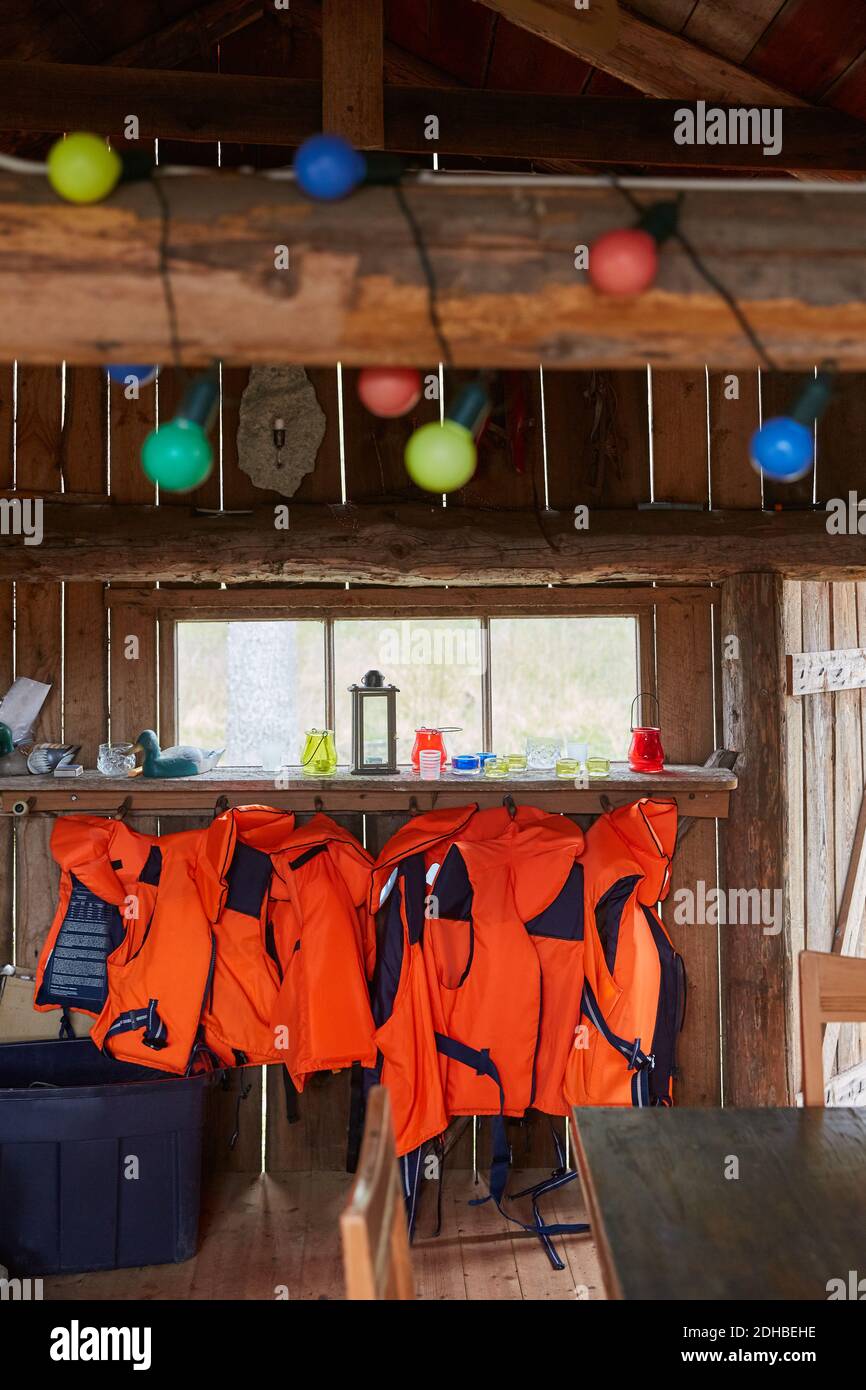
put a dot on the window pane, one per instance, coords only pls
(241, 686)
(437, 665)
(570, 678)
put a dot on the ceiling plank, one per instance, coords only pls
(189, 36)
(202, 106)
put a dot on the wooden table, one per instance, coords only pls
(670, 1224)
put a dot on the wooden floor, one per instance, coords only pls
(277, 1236)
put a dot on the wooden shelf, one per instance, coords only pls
(698, 791)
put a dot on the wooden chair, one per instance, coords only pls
(376, 1258)
(832, 990)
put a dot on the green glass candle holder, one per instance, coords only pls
(319, 756)
(567, 767)
(598, 767)
(496, 767)
(516, 762)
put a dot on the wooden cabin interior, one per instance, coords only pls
(616, 540)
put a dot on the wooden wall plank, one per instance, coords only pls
(756, 965)
(84, 456)
(795, 885)
(819, 780)
(38, 653)
(579, 409)
(778, 392)
(7, 657)
(735, 483)
(837, 459)
(626, 473)
(848, 782)
(352, 47)
(684, 643)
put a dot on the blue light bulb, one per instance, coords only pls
(782, 448)
(118, 372)
(328, 167)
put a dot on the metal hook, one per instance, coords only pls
(509, 804)
(413, 806)
(318, 804)
(123, 809)
(606, 803)
(220, 806)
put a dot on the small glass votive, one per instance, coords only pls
(467, 763)
(115, 759)
(577, 749)
(430, 764)
(598, 767)
(516, 762)
(496, 767)
(567, 767)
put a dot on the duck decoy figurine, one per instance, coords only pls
(184, 760)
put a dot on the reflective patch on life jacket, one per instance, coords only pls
(75, 973)
(248, 879)
(563, 918)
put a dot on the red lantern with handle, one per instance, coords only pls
(431, 740)
(645, 752)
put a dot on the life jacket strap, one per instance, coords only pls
(638, 1061)
(155, 1034)
(482, 1063)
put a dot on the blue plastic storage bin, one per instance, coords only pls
(71, 1122)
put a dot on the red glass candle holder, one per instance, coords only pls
(645, 752)
(428, 739)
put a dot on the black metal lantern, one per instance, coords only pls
(374, 725)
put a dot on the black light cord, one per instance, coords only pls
(429, 274)
(711, 279)
(165, 273)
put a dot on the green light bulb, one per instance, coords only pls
(82, 168)
(177, 456)
(441, 457)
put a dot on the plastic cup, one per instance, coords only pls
(430, 764)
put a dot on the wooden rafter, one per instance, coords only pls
(657, 62)
(50, 97)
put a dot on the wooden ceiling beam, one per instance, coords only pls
(607, 131)
(83, 284)
(352, 39)
(654, 60)
(419, 543)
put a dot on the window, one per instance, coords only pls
(255, 687)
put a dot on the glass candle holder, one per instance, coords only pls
(319, 755)
(115, 759)
(516, 762)
(567, 767)
(541, 753)
(598, 767)
(496, 767)
(469, 764)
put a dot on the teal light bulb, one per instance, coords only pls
(177, 456)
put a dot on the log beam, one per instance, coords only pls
(83, 283)
(51, 97)
(755, 948)
(419, 543)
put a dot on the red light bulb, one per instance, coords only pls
(389, 391)
(623, 262)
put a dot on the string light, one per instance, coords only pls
(178, 456)
(82, 168)
(441, 456)
(389, 391)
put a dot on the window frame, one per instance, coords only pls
(171, 606)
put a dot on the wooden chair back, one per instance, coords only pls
(376, 1258)
(832, 990)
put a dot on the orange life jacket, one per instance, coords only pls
(479, 977)
(207, 966)
(634, 987)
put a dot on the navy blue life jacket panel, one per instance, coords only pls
(608, 917)
(75, 974)
(563, 918)
(248, 879)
